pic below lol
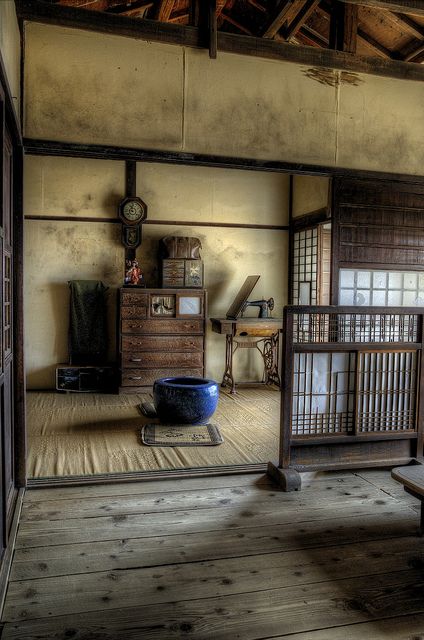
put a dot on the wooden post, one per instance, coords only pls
(288, 479)
(420, 392)
(130, 191)
(213, 30)
(18, 333)
(343, 27)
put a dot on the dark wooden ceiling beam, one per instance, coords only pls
(164, 10)
(97, 5)
(75, 150)
(365, 37)
(153, 31)
(213, 30)
(135, 8)
(277, 19)
(182, 16)
(377, 46)
(416, 51)
(220, 5)
(409, 25)
(313, 36)
(343, 27)
(257, 5)
(236, 24)
(301, 17)
(413, 7)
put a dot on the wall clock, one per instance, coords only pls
(132, 210)
(131, 236)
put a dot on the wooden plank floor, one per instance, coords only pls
(220, 558)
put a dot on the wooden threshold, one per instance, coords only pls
(108, 478)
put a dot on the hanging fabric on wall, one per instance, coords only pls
(88, 340)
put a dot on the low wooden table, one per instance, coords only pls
(250, 333)
(412, 478)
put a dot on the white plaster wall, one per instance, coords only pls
(81, 86)
(70, 186)
(62, 250)
(10, 48)
(229, 196)
(310, 193)
(95, 88)
(381, 125)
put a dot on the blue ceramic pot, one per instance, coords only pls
(185, 400)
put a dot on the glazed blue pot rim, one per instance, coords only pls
(191, 382)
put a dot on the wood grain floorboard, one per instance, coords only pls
(230, 497)
(33, 562)
(221, 561)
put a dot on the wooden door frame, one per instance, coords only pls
(61, 149)
(9, 119)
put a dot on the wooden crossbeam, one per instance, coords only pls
(343, 27)
(182, 17)
(164, 10)
(308, 7)
(277, 19)
(135, 8)
(97, 5)
(315, 38)
(365, 37)
(236, 24)
(213, 30)
(257, 6)
(410, 25)
(413, 7)
(148, 30)
(377, 46)
(220, 4)
(416, 51)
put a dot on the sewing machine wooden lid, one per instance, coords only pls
(241, 298)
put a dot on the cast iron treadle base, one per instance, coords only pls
(287, 479)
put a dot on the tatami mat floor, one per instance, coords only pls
(85, 434)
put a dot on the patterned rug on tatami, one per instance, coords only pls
(185, 435)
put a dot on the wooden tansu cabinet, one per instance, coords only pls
(161, 334)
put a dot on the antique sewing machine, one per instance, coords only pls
(265, 307)
(261, 333)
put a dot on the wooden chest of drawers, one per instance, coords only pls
(161, 334)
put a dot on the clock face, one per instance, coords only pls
(132, 210)
(189, 305)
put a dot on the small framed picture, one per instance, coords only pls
(162, 306)
(189, 305)
(193, 273)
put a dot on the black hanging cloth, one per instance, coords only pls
(88, 340)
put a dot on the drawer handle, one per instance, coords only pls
(135, 377)
(135, 359)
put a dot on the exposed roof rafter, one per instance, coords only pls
(383, 36)
(164, 10)
(277, 19)
(300, 18)
(417, 51)
(413, 7)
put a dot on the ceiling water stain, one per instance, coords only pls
(332, 77)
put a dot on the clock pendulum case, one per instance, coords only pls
(132, 211)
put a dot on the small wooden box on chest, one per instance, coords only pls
(161, 334)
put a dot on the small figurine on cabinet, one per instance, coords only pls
(133, 275)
